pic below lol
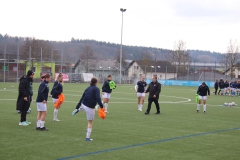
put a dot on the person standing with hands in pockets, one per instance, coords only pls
(154, 89)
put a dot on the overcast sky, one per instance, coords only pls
(202, 24)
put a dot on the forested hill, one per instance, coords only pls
(103, 50)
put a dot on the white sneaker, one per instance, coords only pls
(140, 110)
(57, 120)
(23, 124)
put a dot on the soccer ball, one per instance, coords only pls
(230, 104)
(12, 86)
(29, 110)
(225, 104)
(233, 103)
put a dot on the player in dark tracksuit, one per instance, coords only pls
(154, 89)
(203, 92)
(24, 97)
(216, 86)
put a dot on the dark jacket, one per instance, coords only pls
(56, 90)
(203, 90)
(106, 87)
(141, 86)
(221, 84)
(43, 92)
(154, 89)
(216, 84)
(24, 91)
(226, 85)
(91, 97)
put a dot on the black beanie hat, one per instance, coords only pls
(29, 73)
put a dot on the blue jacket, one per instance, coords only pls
(56, 90)
(106, 87)
(234, 85)
(91, 97)
(43, 92)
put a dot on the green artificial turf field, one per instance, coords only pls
(126, 133)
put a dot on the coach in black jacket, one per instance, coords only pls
(24, 96)
(154, 89)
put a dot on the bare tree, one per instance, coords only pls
(87, 57)
(32, 49)
(180, 57)
(36, 46)
(230, 58)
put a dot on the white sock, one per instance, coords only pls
(42, 124)
(138, 106)
(38, 123)
(204, 107)
(55, 113)
(88, 132)
(106, 106)
(198, 107)
(141, 105)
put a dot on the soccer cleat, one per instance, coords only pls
(89, 139)
(204, 111)
(28, 122)
(38, 128)
(146, 113)
(57, 120)
(197, 111)
(157, 113)
(44, 129)
(140, 110)
(23, 124)
(75, 112)
(106, 111)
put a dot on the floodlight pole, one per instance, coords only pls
(122, 10)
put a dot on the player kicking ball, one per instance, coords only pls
(90, 98)
(140, 90)
(203, 92)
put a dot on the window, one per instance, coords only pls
(15, 69)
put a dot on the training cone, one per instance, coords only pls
(101, 113)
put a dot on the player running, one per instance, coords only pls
(106, 91)
(203, 91)
(140, 90)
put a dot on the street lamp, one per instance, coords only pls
(122, 10)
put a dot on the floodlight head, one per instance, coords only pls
(159, 66)
(152, 66)
(100, 66)
(122, 10)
